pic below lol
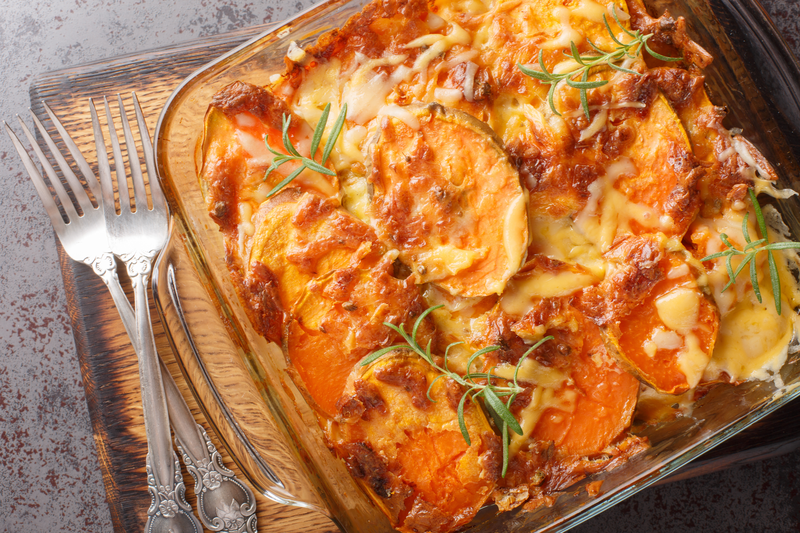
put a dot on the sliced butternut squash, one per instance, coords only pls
(447, 196)
(401, 440)
(659, 320)
(336, 286)
(233, 155)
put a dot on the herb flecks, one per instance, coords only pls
(497, 399)
(749, 252)
(578, 78)
(305, 162)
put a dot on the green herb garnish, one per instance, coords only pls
(579, 77)
(496, 399)
(306, 162)
(750, 251)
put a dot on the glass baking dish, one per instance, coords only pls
(239, 378)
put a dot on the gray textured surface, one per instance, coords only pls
(49, 477)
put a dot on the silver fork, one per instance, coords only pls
(84, 239)
(136, 235)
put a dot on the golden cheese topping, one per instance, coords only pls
(522, 211)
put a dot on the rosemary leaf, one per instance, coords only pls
(383, 351)
(496, 404)
(504, 432)
(578, 78)
(462, 424)
(750, 251)
(335, 131)
(473, 382)
(293, 155)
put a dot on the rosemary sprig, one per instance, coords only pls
(579, 77)
(492, 394)
(751, 249)
(306, 162)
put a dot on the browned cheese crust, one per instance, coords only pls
(460, 184)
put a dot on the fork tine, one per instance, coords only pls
(66, 202)
(119, 163)
(106, 187)
(38, 182)
(84, 167)
(66, 170)
(139, 192)
(157, 195)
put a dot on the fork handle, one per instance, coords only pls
(154, 399)
(213, 482)
(164, 478)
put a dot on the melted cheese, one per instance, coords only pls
(596, 126)
(446, 260)
(401, 114)
(514, 228)
(447, 96)
(679, 309)
(567, 34)
(365, 92)
(666, 340)
(319, 87)
(532, 372)
(752, 341)
(517, 298)
(560, 239)
(437, 45)
(692, 360)
(609, 212)
(590, 10)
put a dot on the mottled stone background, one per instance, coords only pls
(49, 477)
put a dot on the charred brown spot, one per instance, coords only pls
(618, 140)
(669, 35)
(640, 266)
(370, 396)
(677, 85)
(264, 301)
(311, 211)
(410, 379)
(492, 461)
(365, 464)
(241, 97)
(424, 517)
(454, 393)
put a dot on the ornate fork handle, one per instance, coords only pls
(215, 511)
(224, 503)
(164, 482)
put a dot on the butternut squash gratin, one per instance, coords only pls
(481, 229)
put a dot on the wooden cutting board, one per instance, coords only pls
(108, 363)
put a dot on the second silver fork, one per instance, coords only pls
(136, 235)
